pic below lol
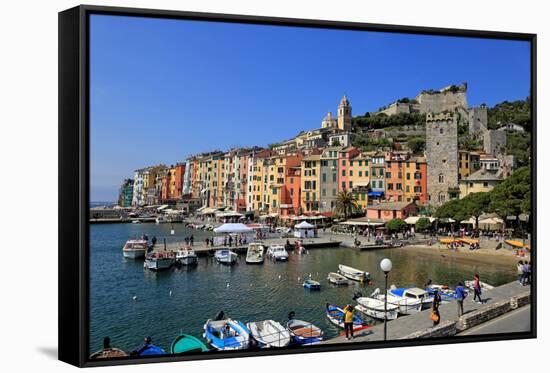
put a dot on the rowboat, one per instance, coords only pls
(108, 353)
(312, 285)
(255, 253)
(335, 315)
(375, 308)
(269, 333)
(186, 256)
(225, 256)
(304, 333)
(149, 349)
(352, 273)
(226, 334)
(134, 249)
(185, 343)
(337, 279)
(159, 260)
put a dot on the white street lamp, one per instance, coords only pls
(385, 266)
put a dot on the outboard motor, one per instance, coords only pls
(291, 315)
(357, 295)
(219, 316)
(375, 292)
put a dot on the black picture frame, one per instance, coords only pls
(74, 194)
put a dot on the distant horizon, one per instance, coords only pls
(162, 90)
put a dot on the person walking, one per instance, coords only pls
(460, 293)
(520, 272)
(435, 316)
(348, 321)
(477, 289)
(526, 271)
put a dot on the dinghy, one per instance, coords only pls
(226, 334)
(269, 333)
(304, 333)
(335, 315)
(352, 273)
(312, 285)
(375, 308)
(226, 256)
(149, 349)
(185, 343)
(255, 253)
(159, 260)
(337, 279)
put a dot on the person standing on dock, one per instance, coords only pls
(436, 317)
(191, 240)
(520, 272)
(460, 296)
(477, 289)
(348, 321)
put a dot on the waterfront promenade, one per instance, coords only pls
(496, 303)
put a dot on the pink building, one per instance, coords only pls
(391, 210)
(344, 157)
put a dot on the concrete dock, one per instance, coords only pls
(497, 302)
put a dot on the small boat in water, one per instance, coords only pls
(159, 260)
(413, 294)
(352, 273)
(108, 352)
(337, 279)
(312, 284)
(269, 333)
(226, 334)
(134, 249)
(255, 253)
(137, 221)
(149, 349)
(304, 333)
(336, 316)
(407, 305)
(277, 253)
(225, 256)
(160, 220)
(186, 256)
(375, 308)
(185, 343)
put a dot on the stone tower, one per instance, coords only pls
(442, 157)
(344, 115)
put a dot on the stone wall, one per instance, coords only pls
(477, 120)
(445, 329)
(494, 142)
(441, 156)
(438, 102)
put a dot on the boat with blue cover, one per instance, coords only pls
(185, 343)
(149, 349)
(226, 334)
(312, 285)
(336, 316)
(304, 333)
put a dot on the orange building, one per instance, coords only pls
(345, 155)
(289, 203)
(416, 180)
(395, 176)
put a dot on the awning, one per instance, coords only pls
(375, 194)
(516, 243)
(361, 223)
(224, 214)
(233, 228)
(304, 225)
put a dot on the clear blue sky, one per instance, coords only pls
(164, 89)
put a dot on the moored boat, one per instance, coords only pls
(134, 249)
(255, 253)
(337, 279)
(185, 343)
(186, 256)
(407, 305)
(335, 315)
(225, 256)
(304, 333)
(375, 308)
(159, 260)
(352, 273)
(226, 334)
(277, 253)
(269, 333)
(414, 294)
(149, 349)
(312, 284)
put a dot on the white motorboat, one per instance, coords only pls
(159, 260)
(406, 305)
(134, 249)
(277, 252)
(375, 308)
(136, 221)
(186, 256)
(337, 279)
(269, 333)
(225, 256)
(414, 294)
(352, 273)
(255, 253)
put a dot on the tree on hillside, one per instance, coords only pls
(475, 204)
(416, 144)
(422, 225)
(346, 203)
(510, 197)
(396, 225)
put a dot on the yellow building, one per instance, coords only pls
(480, 181)
(468, 162)
(360, 178)
(310, 170)
(276, 182)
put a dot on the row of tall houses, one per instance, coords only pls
(306, 173)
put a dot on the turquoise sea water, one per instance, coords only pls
(243, 292)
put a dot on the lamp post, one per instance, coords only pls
(385, 266)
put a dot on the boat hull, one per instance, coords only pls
(304, 333)
(187, 260)
(237, 339)
(269, 333)
(134, 254)
(158, 264)
(336, 316)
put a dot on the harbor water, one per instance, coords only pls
(182, 299)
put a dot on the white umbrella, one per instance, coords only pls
(233, 228)
(304, 225)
